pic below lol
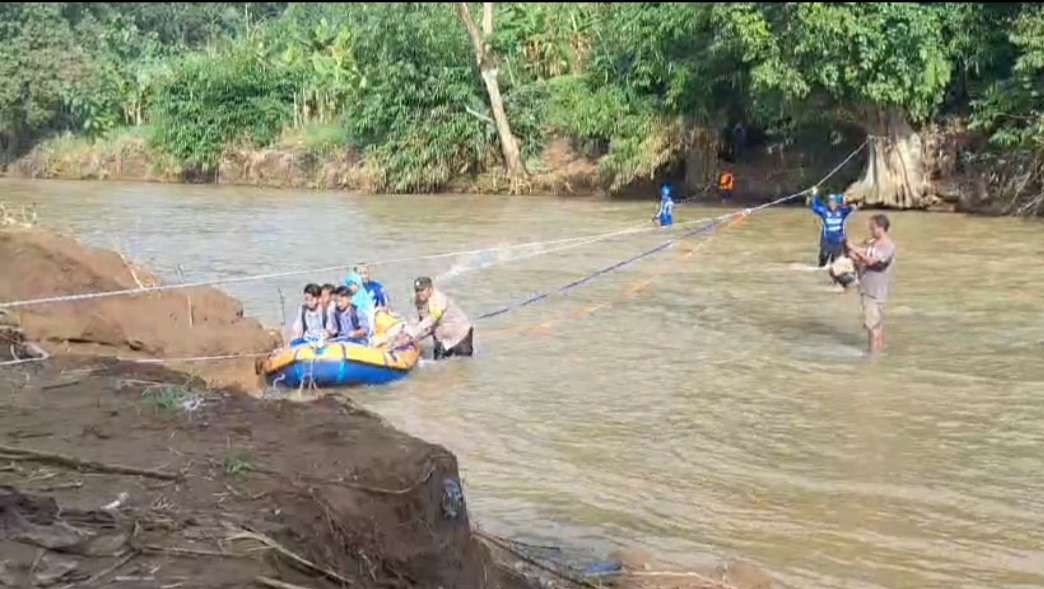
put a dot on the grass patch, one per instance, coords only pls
(238, 462)
(318, 139)
(121, 153)
(167, 398)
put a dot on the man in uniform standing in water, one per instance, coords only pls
(442, 319)
(874, 264)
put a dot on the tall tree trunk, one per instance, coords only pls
(896, 174)
(488, 68)
(701, 161)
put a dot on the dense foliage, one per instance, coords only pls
(398, 82)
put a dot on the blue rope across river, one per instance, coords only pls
(710, 226)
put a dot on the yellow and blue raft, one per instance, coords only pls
(337, 364)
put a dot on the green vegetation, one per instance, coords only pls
(237, 462)
(645, 88)
(169, 398)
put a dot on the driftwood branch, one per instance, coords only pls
(274, 584)
(24, 454)
(270, 543)
(110, 569)
(525, 558)
(173, 550)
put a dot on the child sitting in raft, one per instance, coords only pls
(346, 323)
(310, 324)
(361, 298)
(326, 298)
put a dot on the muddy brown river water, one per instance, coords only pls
(696, 404)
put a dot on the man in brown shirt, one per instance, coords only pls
(442, 319)
(874, 263)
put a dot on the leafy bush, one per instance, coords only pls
(210, 101)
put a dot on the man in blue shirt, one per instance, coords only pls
(376, 289)
(665, 215)
(832, 219)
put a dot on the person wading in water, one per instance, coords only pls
(874, 263)
(442, 319)
(832, 219)
(665, 214)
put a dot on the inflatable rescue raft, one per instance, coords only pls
(338, 364)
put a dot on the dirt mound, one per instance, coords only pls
(294, 167)
(233, 488)
(569, 172)
(172, 324)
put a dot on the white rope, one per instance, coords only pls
(40, 357)
(829, 175)
(191, 358)
(575, 241)
(274, 275)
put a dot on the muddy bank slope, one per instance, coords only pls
(173, 324)
(114, 471)
(318, 495)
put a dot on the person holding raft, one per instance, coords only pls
(665, 215)
(443, 320)
(832, 219)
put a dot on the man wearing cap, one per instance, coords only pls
(442, 319)
(832, 219)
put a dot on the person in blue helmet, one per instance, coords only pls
(832, 219)
(665, 215)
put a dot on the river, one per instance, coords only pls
(711, 401)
